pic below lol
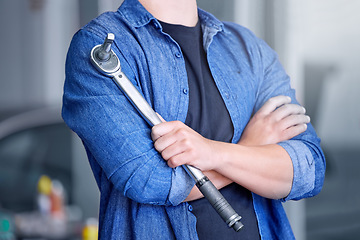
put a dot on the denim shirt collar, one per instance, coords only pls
(138, 16)
(135, 13)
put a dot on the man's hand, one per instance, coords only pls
(277, 120)
(178, 144)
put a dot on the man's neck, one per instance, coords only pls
(182, 12)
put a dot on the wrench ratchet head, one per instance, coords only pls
(104, 58)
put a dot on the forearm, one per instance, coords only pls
(265, 170)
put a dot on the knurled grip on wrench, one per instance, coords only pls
(106, 61)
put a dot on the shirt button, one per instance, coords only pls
(156, 25)
(227, 95)
(185, 91)
(178, 55)
(190, 208)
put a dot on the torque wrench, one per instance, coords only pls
(107, 62)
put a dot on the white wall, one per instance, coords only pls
(332, 38)
(108, 5)
(34, 40)
(61, 21)
(18, 39)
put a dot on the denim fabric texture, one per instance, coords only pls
(141, 197)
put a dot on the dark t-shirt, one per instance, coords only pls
(208, 115)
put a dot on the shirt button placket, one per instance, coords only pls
(227, 95)
(179, 55)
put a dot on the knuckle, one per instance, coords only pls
(153, 136)
(272, 100)
(286, 107)
(299, 109)
(177, 123)
(156, 145)
(174, 162)
(269, 121)
(181, 133)
(165, 155)
(186, 143)
(169, 163)
(269, 129)
(154, 131)
(259, 116)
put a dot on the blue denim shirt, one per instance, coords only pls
(141, 197)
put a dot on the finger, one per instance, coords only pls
(178, 160)
(162, 129)
(294, 131)
(165, 141)
(156, 132)
(173, 150)
(288, 110)
(175, 161)
(274, 103)
(294, 120)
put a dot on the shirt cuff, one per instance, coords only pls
(304, 168)
(181, 185)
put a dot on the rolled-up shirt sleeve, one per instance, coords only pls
(114, 134)
(304, 150)
(308, 165)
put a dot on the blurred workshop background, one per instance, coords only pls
(42, 162)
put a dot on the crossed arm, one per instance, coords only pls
(256, 162)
